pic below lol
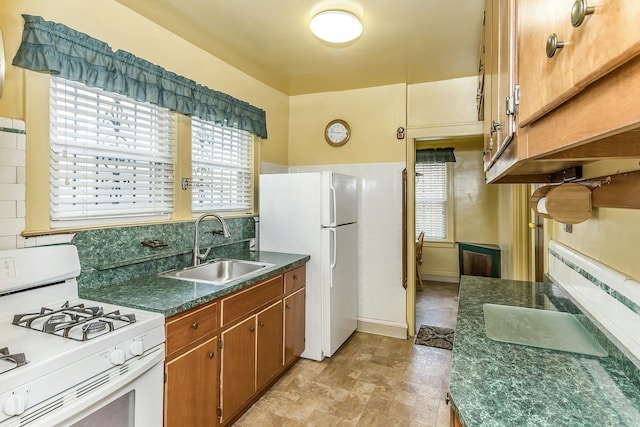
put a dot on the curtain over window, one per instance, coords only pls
(72, 55)
(435, 155)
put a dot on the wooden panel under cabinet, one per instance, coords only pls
(191, 387)
(244, 302)
(184, 329)
(294, 325)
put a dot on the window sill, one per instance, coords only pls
(439, 244)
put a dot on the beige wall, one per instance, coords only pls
(611, 236)
(123, 29)
(373, 114)
(442, 103)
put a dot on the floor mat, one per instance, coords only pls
(435, 336)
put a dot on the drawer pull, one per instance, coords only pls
(553, 44)
(579, 11)
(211, 355)
(295, 277)
(262, 323)
(288, 307)
(252, 329)
(195, 325)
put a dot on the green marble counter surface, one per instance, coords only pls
(500, 384)
(171, 296)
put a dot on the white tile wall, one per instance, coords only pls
(381, 297)
(607, 295)
(12, 183)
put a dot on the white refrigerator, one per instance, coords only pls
(315, 214)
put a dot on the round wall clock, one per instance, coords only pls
(337, 133)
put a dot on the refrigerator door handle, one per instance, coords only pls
(334, 204)
(334, 253)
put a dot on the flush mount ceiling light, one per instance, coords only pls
(335, 26)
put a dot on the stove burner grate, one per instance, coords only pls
(18, 359)
(92, 321)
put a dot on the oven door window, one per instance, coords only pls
(120, 412)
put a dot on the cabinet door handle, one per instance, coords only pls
(211, 355)
(288, 307)
(295, 277)
(262, 323)
(553, 44)
(252, 329)
(195, 325)
(579, 11)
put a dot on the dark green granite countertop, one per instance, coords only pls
(499, 384)
(172, 296)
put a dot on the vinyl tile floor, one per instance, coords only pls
(371, 380)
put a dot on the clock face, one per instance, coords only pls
(337, 133)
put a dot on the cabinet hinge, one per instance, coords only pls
(220, 345)
(219, 412)
(511, 106)
(165, 377)
(513, 101)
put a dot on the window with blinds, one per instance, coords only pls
(222, 168)
(431, 200)
(111, 157)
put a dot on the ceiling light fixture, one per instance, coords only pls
(336, 26)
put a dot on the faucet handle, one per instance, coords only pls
(204, 255)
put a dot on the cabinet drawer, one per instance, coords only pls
(245, 302)
(184, 329)
(294, 279)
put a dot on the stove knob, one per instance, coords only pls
(117, 357)
(136, 348)
(15, 404)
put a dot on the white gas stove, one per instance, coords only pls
(67, 361)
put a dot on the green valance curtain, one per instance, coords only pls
(55, 48)
(435, 155)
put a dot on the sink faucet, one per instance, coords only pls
(197, 256)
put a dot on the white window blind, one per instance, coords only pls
(431, 200)
(111, 157)
(222, 167)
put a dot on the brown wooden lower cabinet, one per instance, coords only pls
(294, 324)
(221, 356)
(238, 356)
(191, 387)
(269, 348)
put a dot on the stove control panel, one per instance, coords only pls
(136, 348)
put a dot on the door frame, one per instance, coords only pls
(414, 134)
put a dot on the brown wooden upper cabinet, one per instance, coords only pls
(565, 45)
(499, 78)
(577, 86)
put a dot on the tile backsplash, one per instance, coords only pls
(12, 182)
(610, 297)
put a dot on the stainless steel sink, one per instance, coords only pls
(217, 271)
